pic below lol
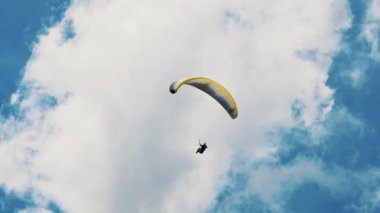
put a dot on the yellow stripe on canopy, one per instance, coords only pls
(212, 88)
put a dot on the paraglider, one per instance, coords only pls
(202, 148)
(215, 90)
(212, 88)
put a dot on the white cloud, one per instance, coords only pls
(376, 198)
(355, 77)
(274, 185)
(35, 210)
(368, 182)
(118, 141)
(371, 28)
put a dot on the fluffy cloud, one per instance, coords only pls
(116, 140)
(372, 27)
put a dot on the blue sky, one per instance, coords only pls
(333, 171)
(347, 148)
(21, 22)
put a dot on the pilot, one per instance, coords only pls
(202, 148)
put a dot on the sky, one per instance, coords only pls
(87, 122)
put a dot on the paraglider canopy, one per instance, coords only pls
(212, 88)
